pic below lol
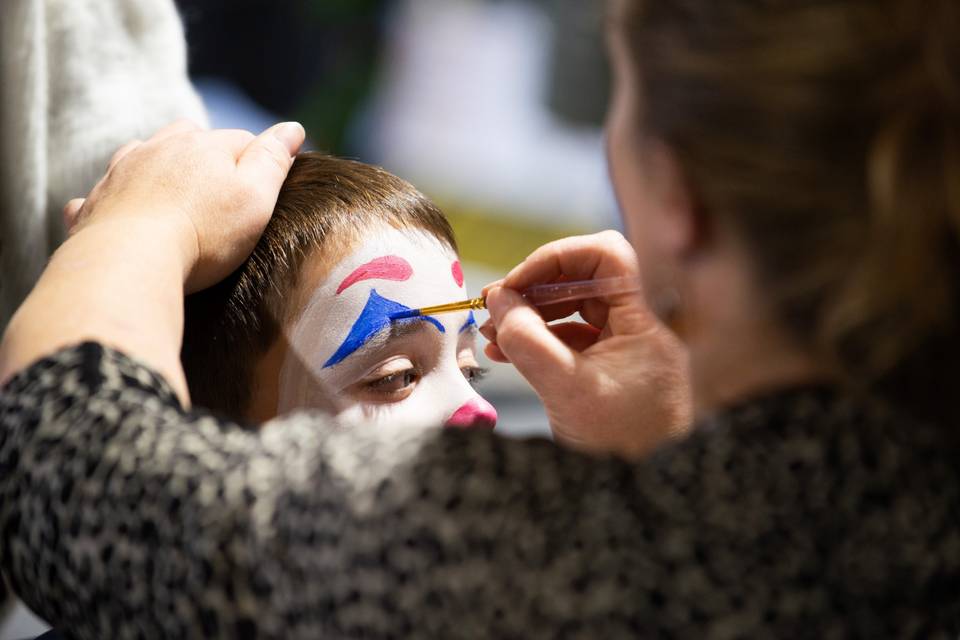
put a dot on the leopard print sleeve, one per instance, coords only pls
(123, 515)
(802, 514)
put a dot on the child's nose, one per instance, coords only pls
(476, 413)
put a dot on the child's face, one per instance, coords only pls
(412, 373)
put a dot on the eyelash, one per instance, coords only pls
(380, 383)
(473, 375)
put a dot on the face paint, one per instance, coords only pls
(457, 272)
(469, 324)
(383, 268)
(374, 318)
(476, 413)
(406, 373)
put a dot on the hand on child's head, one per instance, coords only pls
(209, 192)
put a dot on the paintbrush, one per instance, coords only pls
(540, 295)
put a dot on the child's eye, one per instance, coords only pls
(392, 381)
(395, 383)
(474, 374)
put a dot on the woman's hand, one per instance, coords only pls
(178, 211)
(215, 190)
(617, 383)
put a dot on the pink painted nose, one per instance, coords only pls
(475, 414)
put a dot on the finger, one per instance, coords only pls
(601, 255)
(595, 311)
(267, 159)
(175, 128)
(71, 213)
(121, 152)
(488, 331)
(487, 288)
(576, 335)
(234, 141)
(524, 338)
(551, 312)
(494, 353)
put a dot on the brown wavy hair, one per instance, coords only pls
(325, 206)
(827, 134)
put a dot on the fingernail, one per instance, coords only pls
(291, 134)
(488, 331)
(486, 290)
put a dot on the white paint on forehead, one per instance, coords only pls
(329, 316)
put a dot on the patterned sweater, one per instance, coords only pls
(802, 514)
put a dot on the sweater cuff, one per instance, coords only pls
(91, 367)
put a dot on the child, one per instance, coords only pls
(304, 322)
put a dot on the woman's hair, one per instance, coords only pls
(827, 134)
(324, 207)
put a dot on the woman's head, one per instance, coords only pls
(305, 320)
(824, 137)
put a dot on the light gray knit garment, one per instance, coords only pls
(79, 78)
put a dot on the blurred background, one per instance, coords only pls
(493, 108)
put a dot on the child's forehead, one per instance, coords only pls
(412, 245)
(380, 249)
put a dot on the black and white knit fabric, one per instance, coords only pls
(802, 514)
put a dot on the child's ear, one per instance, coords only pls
(265, 382)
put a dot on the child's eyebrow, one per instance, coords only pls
(372, 321)
(382, 268)
(471, 323)
(468, 335)
(402, 329)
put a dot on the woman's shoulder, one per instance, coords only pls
(866, 498)
(828, 430)
(799, 443)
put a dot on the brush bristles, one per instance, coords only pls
(404, 315)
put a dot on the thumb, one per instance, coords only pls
(523, 337)
(267, 159)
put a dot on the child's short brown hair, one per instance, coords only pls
(325, 205)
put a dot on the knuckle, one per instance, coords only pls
(611, 235)
(565, 245)
(617, 247)
(118, 153)
(612, 241)
(273, 154)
